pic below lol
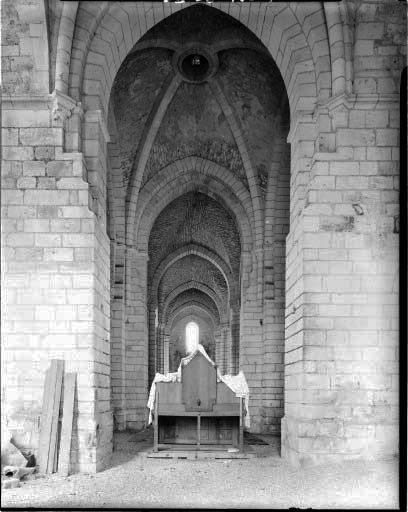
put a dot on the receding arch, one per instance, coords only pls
(268, 24)
(222, 308)
(193, 306)
(180, 178)
(224, 44)
(192, 297)
(202, 252)
(191, 268)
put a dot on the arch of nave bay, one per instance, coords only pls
(258, 199)
(196, 169)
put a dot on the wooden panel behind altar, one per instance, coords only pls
(197, 404)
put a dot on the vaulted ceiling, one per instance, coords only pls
(163, 115)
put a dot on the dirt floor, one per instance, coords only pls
(265, 481)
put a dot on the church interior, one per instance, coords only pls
(213, 174)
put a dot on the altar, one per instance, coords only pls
(198, 408)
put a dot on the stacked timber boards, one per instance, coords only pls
(55, 441)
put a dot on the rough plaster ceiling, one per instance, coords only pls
(195, 218)
(194, 123)
(255, 89)
(135, 89)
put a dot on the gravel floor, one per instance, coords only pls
(267, 481)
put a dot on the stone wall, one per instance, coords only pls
(334, 265)
(55, 276)
(341, 372)
(24, 49)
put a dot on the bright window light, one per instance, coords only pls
(191, 337)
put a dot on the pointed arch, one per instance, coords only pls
(180, 177)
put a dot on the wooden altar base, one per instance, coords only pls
(180, 451)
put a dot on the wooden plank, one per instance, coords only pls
(180, 440)
(204, 430)
(226, 409)
(212, 430)
(193, 447)
(225, 395)
(55, 459)
(223, 455)
(59, 371)
(170, 392)
(177, 447)
(49, 416)
(198, 431)
(235, 432)
(178, 410)
(241, 424)
(156, 423)
(45, 422)
(188, 453)
(173, 455)
(66, 427)
(199, 384)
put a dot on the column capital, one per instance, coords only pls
(63, 106)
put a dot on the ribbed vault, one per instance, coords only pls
(190, 161)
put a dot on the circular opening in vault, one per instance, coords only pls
(195, 67)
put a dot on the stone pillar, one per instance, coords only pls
(152, 342)
(118, 352)
(251, 343)
(273, 352)
(276, 227)
(55, 280)
(224, 328)
(160, 348)
(302, 138)
(166, 353)
(234, 348)
(136, 338)
(228, 348)
(341, 369)
(218, 348)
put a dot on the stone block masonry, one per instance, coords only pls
(341, 352)
(317, 279)
(55, 279)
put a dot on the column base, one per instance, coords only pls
(312, 442)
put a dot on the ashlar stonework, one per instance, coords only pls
(259, 197)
